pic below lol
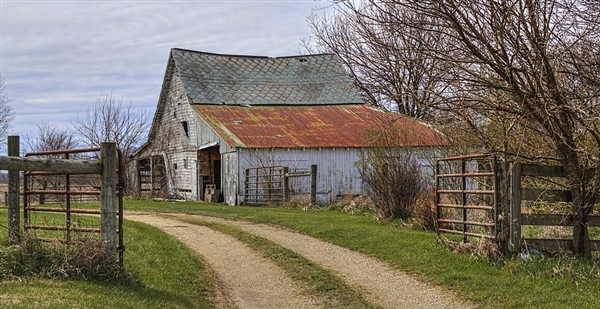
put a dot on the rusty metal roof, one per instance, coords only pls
(311, 126)
(253, 80)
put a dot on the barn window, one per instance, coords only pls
(185, 128)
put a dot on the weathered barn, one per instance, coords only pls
(220, 114)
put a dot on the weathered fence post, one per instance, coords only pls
(504, 205)
(515, 207)
(108, 196)
(313, 185)
(285, 183)
(14, 222)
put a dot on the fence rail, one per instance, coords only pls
(519, 218)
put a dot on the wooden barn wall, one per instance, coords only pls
(231, 178)
(336, 174)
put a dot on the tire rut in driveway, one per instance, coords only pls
(251, 280)
(380, 283)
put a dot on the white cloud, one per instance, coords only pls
(57, 57)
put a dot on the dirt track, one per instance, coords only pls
(255, 282)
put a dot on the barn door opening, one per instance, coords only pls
(152, 177)
(209, 174)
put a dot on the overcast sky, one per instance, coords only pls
(57, 57)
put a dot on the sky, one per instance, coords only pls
(58, 57)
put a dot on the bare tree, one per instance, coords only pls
(383, 57)
(522, 75)
(6, 113)
(109, 120)
(49, 137)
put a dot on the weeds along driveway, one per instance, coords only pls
(248, 276)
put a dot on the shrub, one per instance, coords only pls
(393, 180)
(52, 260)
(424, 211)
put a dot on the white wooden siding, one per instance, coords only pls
(336, 173)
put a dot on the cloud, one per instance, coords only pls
(57, 57)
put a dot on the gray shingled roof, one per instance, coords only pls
(240, 80)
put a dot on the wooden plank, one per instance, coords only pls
(546, 219)
(64, 166)
(515, 208)
(557, 244)
(552, 196)
(549, 244)
(555, 220)
(542, 170)
(14, 229)
(593, 221)
(313, 185)
(108, 197)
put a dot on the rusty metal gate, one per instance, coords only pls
(467, 196)
(46, 192)
(264, 185)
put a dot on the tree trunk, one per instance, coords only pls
(581, 199)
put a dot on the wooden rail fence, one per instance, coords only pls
(106, 168)
(496, 189)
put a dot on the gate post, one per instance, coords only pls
(14, 230)
(108, 197)
(515, 207)
(504, 206)
(313, 185)
(285, 183)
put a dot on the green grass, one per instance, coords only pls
(169, 275)
(502, 283)
(505, 283)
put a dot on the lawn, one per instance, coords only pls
(164, 266)
(169, 275)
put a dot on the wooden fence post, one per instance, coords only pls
(108, 197)
(285, 183)
(14, 222)
(515, 207)
(504, 205)
(313, 185)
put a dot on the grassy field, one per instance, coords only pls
(169, 275)
(560, 282)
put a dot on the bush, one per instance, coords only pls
(424, 211)
(52, 260)
(393, 180)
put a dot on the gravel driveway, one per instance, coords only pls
(255, 282)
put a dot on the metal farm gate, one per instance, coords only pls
(270, 185)
(50, 192)
(467, 197)
(263, 185)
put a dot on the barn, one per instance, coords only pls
(221, 116)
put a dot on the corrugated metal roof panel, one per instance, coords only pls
(310, 126)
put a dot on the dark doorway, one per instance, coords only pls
(209, 173)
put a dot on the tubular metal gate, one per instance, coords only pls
(264, 185)
(467, 196)
(48, 192)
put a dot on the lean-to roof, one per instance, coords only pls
(311, 126)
